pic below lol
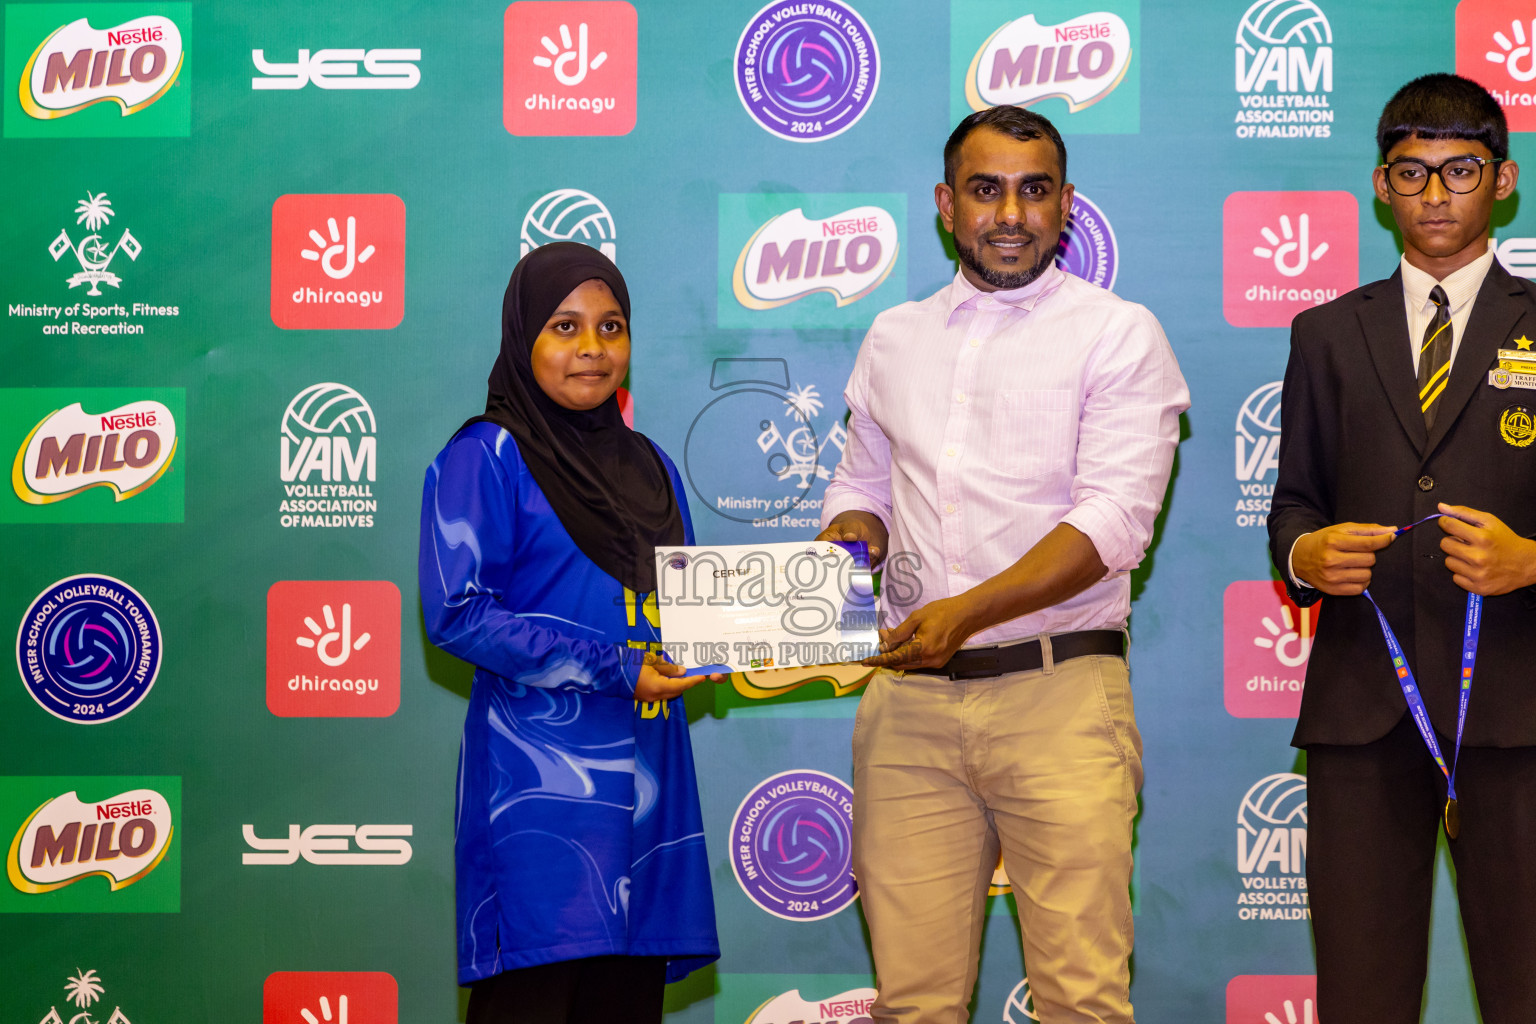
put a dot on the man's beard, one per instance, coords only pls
(1005, 280)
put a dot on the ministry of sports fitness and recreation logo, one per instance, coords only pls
(1272, 999)
(93, 454)
(807, 71)
(328, 455)
(337, 68)
(1257, 453)
(1267, 639)
(82, 991)
(791, 845)
(1075, 65)
(759, 447)
(91, 844)
(1284, 252)
(1284, 71)
(1496, 47)
(330, 997)
(97, 70)
(333, 648)
(809, 260)
(850, 1007)
(569, 68)
(96, 250)
(1272, 850)
(1088, 248)
(338, 262)
(568, 215)
(89, 649)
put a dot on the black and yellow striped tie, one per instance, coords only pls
(1435, 356)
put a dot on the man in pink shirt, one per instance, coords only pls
(1010, 444)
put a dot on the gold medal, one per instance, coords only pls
(1452, 819)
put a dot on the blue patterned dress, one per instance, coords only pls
(578, 831)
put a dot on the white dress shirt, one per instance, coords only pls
(980, 420)
(1461, 288)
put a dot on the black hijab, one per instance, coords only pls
(605, 481)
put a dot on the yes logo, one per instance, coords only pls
(338, 262)
(330, 997)
(333, 649)
(1267, 641)
(570, 68)
(1283, 252)
(1272, 999)
(377, 845)
(337, 69)
(75, 79)
(1496, 47)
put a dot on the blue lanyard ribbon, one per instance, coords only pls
(1410, 688)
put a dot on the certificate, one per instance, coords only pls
(739, 607)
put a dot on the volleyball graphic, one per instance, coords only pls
(1260, 414)
(1275, 800)
(327, 409)
(1283, 23)
(1020, 1007)
(569, 215)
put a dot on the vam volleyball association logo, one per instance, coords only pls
(1272, 850)
(1284, 71)
(1257, 454)
(807, 72)
(1088, 248)
(328, 455)
(792, 845)
(569, 215)
(89, 649)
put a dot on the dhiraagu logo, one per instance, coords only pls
(1075, 61)
(808, 260)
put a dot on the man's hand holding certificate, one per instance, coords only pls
(753, 606)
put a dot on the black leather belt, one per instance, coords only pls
(982, 662)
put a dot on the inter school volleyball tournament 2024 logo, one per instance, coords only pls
(791, 845)
(338, 262)
(89, 455)
(96, 70)
(807, 71)
(89, 649)
(328, 457)
(1272, 850)
(1496, 47)
(91, 844)
(1088, 248)
(569, 68)
(1284, 71)
(1075, 61)
(1284, 252)
(333, 648)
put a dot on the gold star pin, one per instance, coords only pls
(1523, 342)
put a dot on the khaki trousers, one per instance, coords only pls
(1042, 765)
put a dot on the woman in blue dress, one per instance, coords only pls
(582, 880)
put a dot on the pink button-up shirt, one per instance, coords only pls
(980, 420)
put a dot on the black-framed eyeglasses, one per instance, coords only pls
(1408, 177)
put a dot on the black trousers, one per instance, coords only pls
(596, 990)
(1374, 815)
